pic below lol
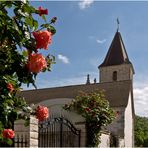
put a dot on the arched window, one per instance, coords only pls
(115, 76)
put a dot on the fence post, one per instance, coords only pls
(26, 136)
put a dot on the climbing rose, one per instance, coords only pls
(8, 133)
(42, 11)
(43, 38)
(10, 87)
(42, 113)
(87, 109)
(117, 114)
(36, 63)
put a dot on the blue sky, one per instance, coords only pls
(85, 30)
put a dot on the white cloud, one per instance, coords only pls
(85, 3)
(141, 100)
(101, 41)
(63, 58)
(91, 37)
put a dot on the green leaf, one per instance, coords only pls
(25, 53)
(9, 141)
(35, 25)
(44, 18)
(51, 29)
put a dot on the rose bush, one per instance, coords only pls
(95, 108)
(19, 30)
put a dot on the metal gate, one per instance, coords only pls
(58, 132)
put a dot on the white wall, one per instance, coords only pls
(128, 130)
(56, 109)
(105, 140)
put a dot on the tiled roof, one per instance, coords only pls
(117, 53)
(117, 93)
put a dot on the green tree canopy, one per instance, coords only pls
(141, 131)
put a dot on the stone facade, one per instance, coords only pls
(124, 72)
(116, 78)
(28, 133)
(117, 126)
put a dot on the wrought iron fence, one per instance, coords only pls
(58, 132)
(18, 141)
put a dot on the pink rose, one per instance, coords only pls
(43, 38)
(42, 11)
(42, 113)
(10, 87)
(8, 133)
(36, 63)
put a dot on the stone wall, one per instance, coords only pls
(28, 134)
(117, 126)
(124, 72)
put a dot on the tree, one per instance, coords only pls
(96, 110)
(141, 131)
(21, 38)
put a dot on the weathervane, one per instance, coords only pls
(118, 24)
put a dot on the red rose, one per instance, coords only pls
(36, 63)
(10, 87)
(42, 113)
(117, 114)
(93, 114)
(43, 38)
(42, 11)
(8, 133)
(87, 109)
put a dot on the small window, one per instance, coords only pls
(115, 76)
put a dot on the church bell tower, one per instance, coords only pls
(116, 65)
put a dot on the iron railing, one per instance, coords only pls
(58, 132)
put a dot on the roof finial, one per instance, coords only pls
(88, 80)
(118, 24)
(95, 80)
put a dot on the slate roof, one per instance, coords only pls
(117, 93)
(116, 54)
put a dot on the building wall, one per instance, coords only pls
(128, 130)
(121, 142)
(124, 72)
(55, 107)
(117, 126)
(105, 140)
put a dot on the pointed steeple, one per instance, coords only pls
(117, 53)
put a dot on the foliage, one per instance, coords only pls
(96, 110)
(141, 131)
(17, 45)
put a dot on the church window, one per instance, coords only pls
(115, 76)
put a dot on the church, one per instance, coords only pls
(116, 78)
